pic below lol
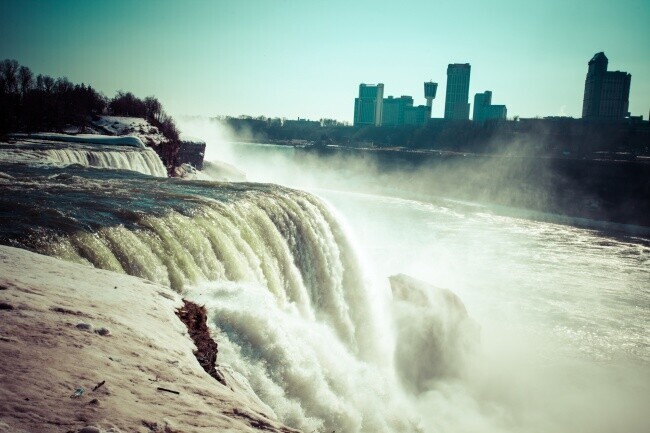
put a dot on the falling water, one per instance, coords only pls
(144, 161)
(326, 344)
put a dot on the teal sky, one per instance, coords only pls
(291, 58)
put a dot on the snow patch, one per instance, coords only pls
(136, 126)
(184, 138)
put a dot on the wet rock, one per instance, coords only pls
(66, 311)
(104, 332)
(85, 326)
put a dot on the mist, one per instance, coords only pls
(516, 179)
(507, 321)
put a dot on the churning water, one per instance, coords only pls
(544, 327)
(34, 152)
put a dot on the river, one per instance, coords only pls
(352, 311)
(564, 310)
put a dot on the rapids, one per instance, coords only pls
(32, 151)
(554, 336)
(283, 283)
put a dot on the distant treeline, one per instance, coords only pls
(41, 103)
(550, 136)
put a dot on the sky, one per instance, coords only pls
(306, 58)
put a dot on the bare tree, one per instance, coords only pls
(154, 108)
(63, 85)
(45, 83)
(9, 76)
(25, 80)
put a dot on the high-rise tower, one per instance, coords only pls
(430, 89)
(484, 110)
(456, 99)
(368, 106)
(606, 93)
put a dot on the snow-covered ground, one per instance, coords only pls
(67, 329)
(191, 139)
(136, 126)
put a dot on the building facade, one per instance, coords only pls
(418, 115)
(400, 112)
(368, 107)
(371, 109)
(484, 110)
(394, 110)
(456, 98)
(607, 93)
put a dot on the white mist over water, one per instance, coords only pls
(564, 316)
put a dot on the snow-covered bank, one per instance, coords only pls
(135, 126)
(55, 316)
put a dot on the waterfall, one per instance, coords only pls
(144, 161)
(296, 316)
(286, 242)
(330, 346)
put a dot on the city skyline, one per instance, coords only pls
(291, 59)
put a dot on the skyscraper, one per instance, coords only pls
(456, 99)
(481, 100)
(607, 94)
(368, 106)
(394, 109)
(484, 110)
(400, 111)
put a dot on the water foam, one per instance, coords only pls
(144, 161)
(296, 315)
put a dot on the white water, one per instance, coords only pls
(306, 315)
(144, 161)
(564, 312)
(315, 331)
(297, 317)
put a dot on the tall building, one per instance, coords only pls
(368, 107)
(481, 100)
(456, 99)
(372, 109)
(484, 110)
(418, 115)
(394, 110)
(607, 94)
